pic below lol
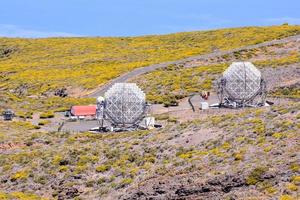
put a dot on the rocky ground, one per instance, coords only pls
(215, 154)
(239, 154)
(250, 155)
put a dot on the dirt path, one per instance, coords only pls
(139, 71)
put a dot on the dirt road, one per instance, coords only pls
(139, 71)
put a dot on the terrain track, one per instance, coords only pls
(139, 71)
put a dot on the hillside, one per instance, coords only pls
(35, 68)
(247, 154)
(279, 64)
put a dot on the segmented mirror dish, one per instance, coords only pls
(125, 103)
(243, 80)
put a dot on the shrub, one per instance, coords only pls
(150, 159)
(25, 115)
(286, 197)
(63, 168)
(26, 125)
(268, 148)
(44, 122)
(90, 183)
(255, 176)
(295, 167)
(292, 187)
(296, 180)
(83, 160)
(125, 182)
(186, 155)
(271, 190)
(101, 180)
(172, 120)
(170, 101)
(132, 53)
(226, 145)
(80, 169)
(103, 168)
(46, 115)
(238, 156)
(57, 159)
(161, 117)
(25, 196)
(278, 135)
(20, 175)
(4, 196)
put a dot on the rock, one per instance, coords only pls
(194, 191)
(21, 90)
(77, 176)
(268, 175)
(68, 193)
(63, 162)
(6, 51)
(62, 92)
(71, 192)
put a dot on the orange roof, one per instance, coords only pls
(83, 110)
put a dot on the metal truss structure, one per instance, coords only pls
(100, 110)
(125, 104)
(241, 86)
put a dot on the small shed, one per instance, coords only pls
(84, 111)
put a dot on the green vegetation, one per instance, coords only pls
(26, 125)
(296, 180)
(238, 156)
(46, 115)
(292, 187)
(286, 197)
(44, 122)
(295, 167)
(244, 143)
(34, 68)
(102, 168)
(293, 57)
(24, 115)
(20, 175)
(109, 162)
(288, 92)
(27, 105)
(278, 135)
(125, 182)
(256, 175)
(177, 82)
(19, 196)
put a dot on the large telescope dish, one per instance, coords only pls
(125, 104)
(240, 85)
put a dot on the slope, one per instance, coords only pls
(35, 68)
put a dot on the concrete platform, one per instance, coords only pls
(79, 126)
